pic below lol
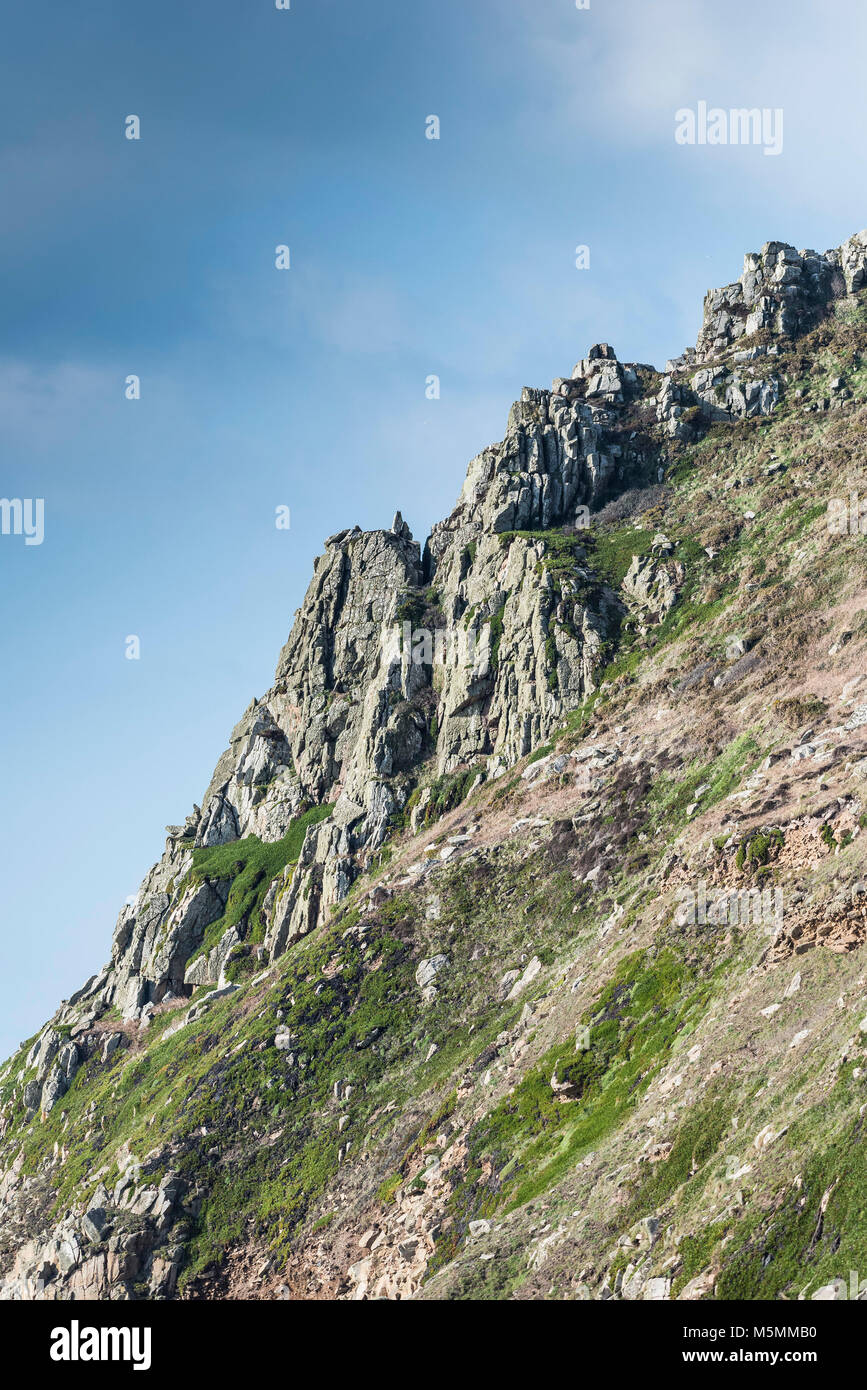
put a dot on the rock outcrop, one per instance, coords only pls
(781, 291)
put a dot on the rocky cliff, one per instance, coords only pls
(411, 1004)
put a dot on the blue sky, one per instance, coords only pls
(306, 387)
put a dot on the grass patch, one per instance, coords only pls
(252, 866)
(529, 1141)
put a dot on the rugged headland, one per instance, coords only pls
(515, 950)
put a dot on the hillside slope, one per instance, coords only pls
(515, 950)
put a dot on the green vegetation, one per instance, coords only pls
(420, 609)
(612, 551)
(797, 710)
(696, 1251)
(560, 545)
(543, 1098)
(251, 865)
(753, 853)
(448, 791)
(387, 1190)
(696, 1143)
(541, 752)
(534, 1136)
(672, 795)
(810, 1233)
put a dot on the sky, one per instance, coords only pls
(306, 387)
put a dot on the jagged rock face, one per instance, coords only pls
(339, 725)
(154, 945)
(346, 695)
(255, 789)
(563, 450)
(540, 625)
(354, 711)
(334, 657)
(653, 585)
(301, 741)
(120, 1242)
(781, 294)
(323, 875)
(781, 290)
(56, 1061)
(400, 671)
(348, 719)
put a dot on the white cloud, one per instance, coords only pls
(617, 73)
